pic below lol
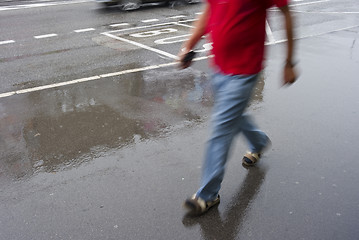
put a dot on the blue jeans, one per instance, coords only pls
(232, 94)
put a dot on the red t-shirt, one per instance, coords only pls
(237, 30)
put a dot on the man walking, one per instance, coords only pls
(237, 31)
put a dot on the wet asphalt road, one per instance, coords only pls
(113, 152)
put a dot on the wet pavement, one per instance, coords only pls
(55, 130)
(114, 159)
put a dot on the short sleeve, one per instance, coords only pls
(277, 3)
(280, 3)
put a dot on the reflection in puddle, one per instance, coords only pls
(58, 129)
(68, 139)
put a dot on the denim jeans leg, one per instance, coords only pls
(232, 93)
(257, 140)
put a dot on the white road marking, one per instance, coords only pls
(199, 13)
(81, 80)
(313, 35)
(119, 24)
(323, 12)
(269, 33)
(141, 27)
(202, 58)
(184, 25)
(6, 42)
(36, 5)
(308, 3)
(57, 85)
(178, 16)
(96, 77)
(84, 30)
(171, 40)
(153, 33)
(188, 20)
(46, 36)
(119, 30)
(142, 46)
(138, 70)
(206, 47)
(150, 20)
(8, 94)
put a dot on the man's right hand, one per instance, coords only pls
(197, 32)
(185, 58)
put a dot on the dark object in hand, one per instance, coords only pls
(188, 57)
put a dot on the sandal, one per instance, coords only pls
(249, 159)
(197, 206)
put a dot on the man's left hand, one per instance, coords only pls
(290, 76)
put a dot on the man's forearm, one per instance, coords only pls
(290, 75)
(199, 29)
(289, 31)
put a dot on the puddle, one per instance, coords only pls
(58, 129)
